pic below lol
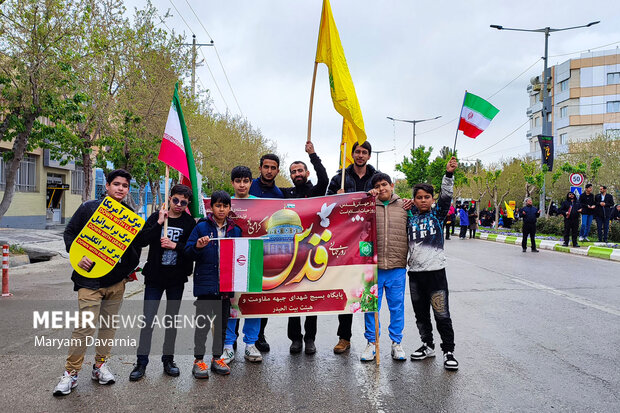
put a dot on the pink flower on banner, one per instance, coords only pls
(234, 313)
(369, 275)
(374, 290)
(357, 292)
(356, 308)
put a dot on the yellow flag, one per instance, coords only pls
(348, 136)
(329, 51)
(510, 212)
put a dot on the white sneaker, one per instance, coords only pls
(252, 354)
(397, 352)
(66, 384)
(449, 362)
(423, 352)
(103, 374)
(369, 353)
(228, 355)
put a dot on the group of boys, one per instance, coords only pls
(409, 241)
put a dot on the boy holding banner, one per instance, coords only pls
(209, 299)
(101, 296)
(166, 270)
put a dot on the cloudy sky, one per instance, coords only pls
(408, 60)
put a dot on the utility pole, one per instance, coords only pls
(546, 102)
(194, 55)
(379, 152)
(413, 122)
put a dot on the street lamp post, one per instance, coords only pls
(546, 126)
(378, 152)
(413, 122)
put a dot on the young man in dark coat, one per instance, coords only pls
(530, 214)
(586, 201)
(570, 211)
(604, 206)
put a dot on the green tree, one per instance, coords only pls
(415, 167)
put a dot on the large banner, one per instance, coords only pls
(319, 255)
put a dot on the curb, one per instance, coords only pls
(591, 251)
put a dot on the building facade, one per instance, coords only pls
(585, 100)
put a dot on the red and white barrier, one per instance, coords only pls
(5, 271)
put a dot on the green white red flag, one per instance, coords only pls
(476, 115)
(241, 265)
(176, 151)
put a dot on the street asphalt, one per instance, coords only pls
(534, 333)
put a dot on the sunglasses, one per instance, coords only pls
(178, 201)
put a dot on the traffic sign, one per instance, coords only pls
(576, 190)
(576, 179)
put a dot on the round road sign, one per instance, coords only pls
(576, 179)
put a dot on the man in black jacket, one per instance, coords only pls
(604, 205)
(357, 178)
(529, 213)
(166, 270)
(304, 189)
(586, 200)
(570, 211)
(100, 296)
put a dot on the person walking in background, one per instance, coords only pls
(570, 211)
(530, 214)
(463, 221)
(450, 221)
(473, 221)
(587, 207)
(604, 204)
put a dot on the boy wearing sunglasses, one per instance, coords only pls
(166, 270)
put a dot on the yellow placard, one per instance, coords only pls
(104, 239)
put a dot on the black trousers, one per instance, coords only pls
(447, 226)
(294, 328)
(205, 306)
(571, 227)
(429, 289)
(345, 321)
(472, 233)
(263, 324)
(529, 229)
(463, 232)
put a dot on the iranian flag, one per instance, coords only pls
(241, 265)
(476, 115)
(176, 151)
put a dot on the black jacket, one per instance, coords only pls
(308, 190)
(587, 200)
(128, 262)
(573, 206)
(603, 212)
(352, 182)
(530, 214)
(155, 273)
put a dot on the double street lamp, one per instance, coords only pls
(413, 122)
(546, 129)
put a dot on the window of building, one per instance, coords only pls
(613, 133)
(613, 78)
(564, 111)
(564, 85)
(564, 138)
(549, 117)
(613, 106)
(26, 177)
(77, 181)
(536, 122)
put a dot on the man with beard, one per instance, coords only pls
(304, 189)
(357, 178)
(265, 187)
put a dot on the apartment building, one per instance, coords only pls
(585, 100)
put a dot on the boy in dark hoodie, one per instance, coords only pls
(202, 246)
(166, 270)
(427, 267)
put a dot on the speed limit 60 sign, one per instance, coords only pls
(576, 179)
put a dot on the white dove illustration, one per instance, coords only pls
(324, 213)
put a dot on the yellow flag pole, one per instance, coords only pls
(164, 204)
(311, 102)
(344, 161)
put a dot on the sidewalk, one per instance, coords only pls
(553, 245)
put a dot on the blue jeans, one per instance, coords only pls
(586, 222)
(152, 297)
(394, 282)
(251, 327)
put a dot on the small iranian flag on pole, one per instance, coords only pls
(176, 151)
(241, 265)
(476, 115)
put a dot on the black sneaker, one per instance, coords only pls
(171, 369)
(449, 362)
(535, 251)
(262, 345)
(137, 373)
(296, 347)
(310, 347)
(524, 249)
(427, 350)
